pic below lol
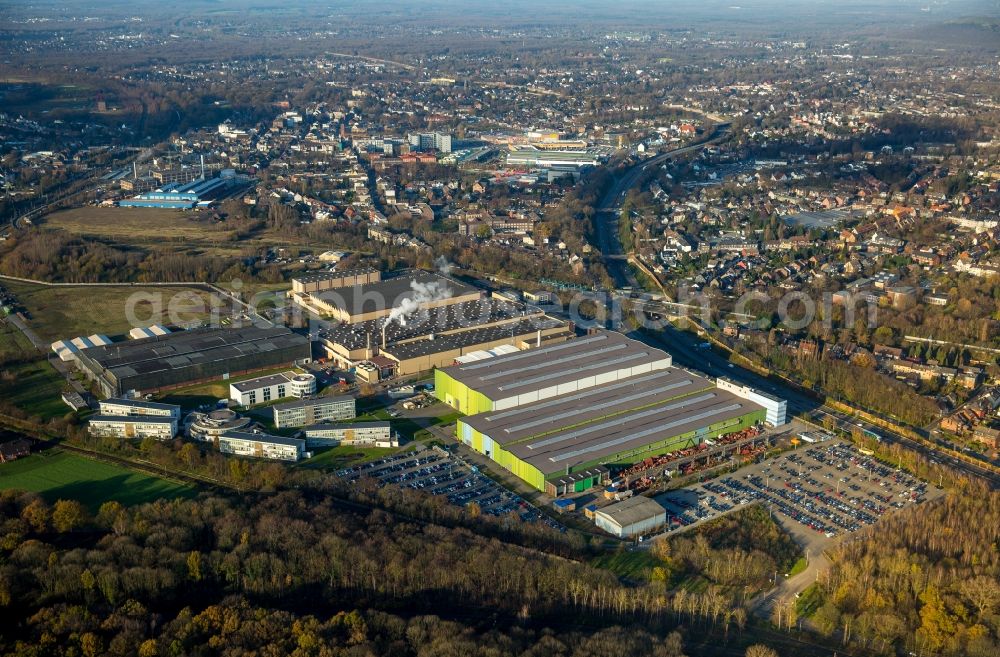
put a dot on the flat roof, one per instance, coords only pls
(347, 425)
(263, 438)
(261, 382)
(192, 347)
(148, 419)
(142, 403)
(474, 336)
(316, 277)
(453, 317)
(633, 510)
(632, 430)
(543, 417)
(534, 369)
(313, 401)
(390, 292)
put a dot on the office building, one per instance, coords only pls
(262, 446)
(430, 141)
(313, 411)
(139, 407)
(272, 387)
(358, 434)
(133, 426)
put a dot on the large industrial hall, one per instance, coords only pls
(600, 400)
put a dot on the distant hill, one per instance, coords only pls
(970, 32)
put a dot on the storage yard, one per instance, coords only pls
(825, 490)
(440, 473)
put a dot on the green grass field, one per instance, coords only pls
(67, 312)
(35, 387)
(60, 475)
(13, 343)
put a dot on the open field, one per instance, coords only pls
(60, 475)
(35, 387)
(67, 312)
(13, 343)
(187, 231)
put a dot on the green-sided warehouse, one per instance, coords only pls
(560, 443)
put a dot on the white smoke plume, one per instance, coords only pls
(422, 293)
(443, 265)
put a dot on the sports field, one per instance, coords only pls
(57, 474)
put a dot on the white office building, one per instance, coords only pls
(426, 141)
(139, 407)
(133, 426)
(262, 446)
(358, 434)
(777, 409)
(305, 412)
(273, 387)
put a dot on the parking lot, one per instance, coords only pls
(440, 473)
(824, 490)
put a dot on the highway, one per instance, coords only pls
(610, 206)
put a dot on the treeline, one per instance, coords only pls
(923, 581)
(290, 575)
(51, 256)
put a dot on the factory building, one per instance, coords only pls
(68, 349)
(262, 446)
(141, 332)
(272, 387)
(133, 426)
(444, 320)
(186, 195)
(376, 300)
(313, 411)
(535, 158)
(359, 434)
(559, 416)
(185, 357)
(633, 517)
(332, 280)
(523, 378)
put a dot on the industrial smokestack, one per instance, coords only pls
(203, 166)
(135, 171)
(538, 339)
(385, 325)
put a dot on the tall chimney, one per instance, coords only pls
(135, 170)
(203, 166)
(384, 327)
(538, 339)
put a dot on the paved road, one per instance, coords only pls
(33, 337)
(686, 351)
(609, 208)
